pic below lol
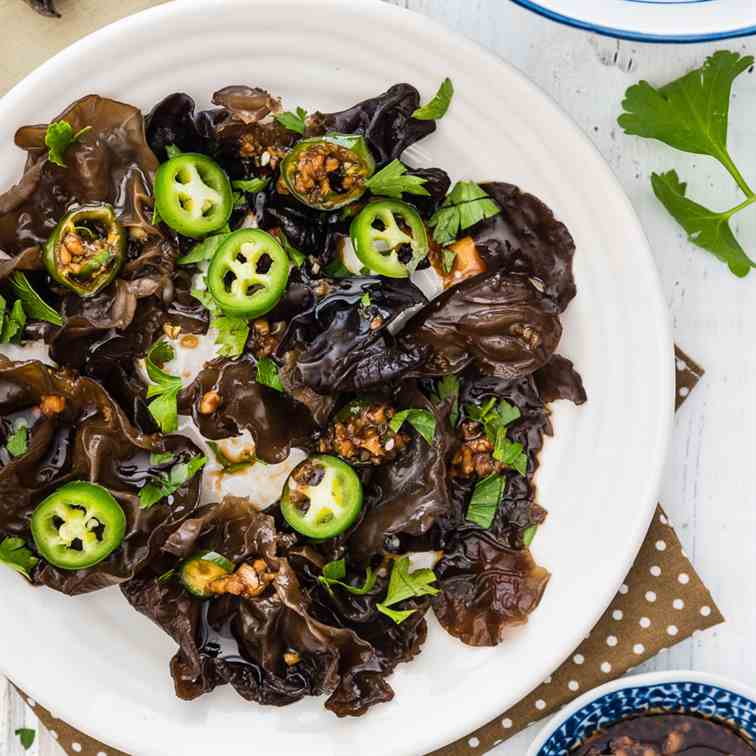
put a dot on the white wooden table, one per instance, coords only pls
(709, 489)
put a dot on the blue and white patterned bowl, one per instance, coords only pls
(674, 692)
(653, 20)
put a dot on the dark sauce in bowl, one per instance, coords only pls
(666, 734)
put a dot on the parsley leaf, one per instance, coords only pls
(690, 113)
(164, 485)
(204, 250)
(26, 737)
(161, 458)
(466, 205)
(232, 334)
(365, 299)
(59, 137)
(34, 306)
(392, 181)
(18, 441)
(705, 228)
(421, 420)
(250, 185)
(436, 108)
(404, 584)
(293, 121)
(529, 534)
(164, 386)
(485, 500)
(172, 151)
(13, 323)
(335, 572)
(448, 387)
(495, 418)
(15, 554)
(448, 257)
(267, 374)
(295, 256)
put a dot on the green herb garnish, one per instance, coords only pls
(18, 441)
(421, 420)
(691, 114)
(267, 374)
(161, 458)
(11, 324)
(528, 534)
(436, 108)
(250, 186)
(404, 584)
(495, 418)
(232, 332)
(173, 151)
(447, 259)
(34, 306)
(485, 500)
(293, 121)
(448, 388)
(164, 386)
(163, 485)
(15, 554)
(466, 205)
(204, 250)
(295, 256)
(59, 137)
(26, 737)
(335, 572)
(393, 181)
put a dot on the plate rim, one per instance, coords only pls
(629, 34)
(125, 737)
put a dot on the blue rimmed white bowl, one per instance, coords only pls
(653, 20)
(673, 692)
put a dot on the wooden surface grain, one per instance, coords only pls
(709, 489)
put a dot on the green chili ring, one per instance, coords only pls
(78, 525)
(377, 237)
(197, 572)
(193, 195)
(328, 172)
(86, 250)
(235, 278)
(322, 497)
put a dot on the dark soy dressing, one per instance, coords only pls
(664, 735)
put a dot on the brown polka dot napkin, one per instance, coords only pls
(661, 602)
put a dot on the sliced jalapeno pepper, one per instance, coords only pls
(389, 237)
(248, 273)
(86, 250)
(197, 572)
(78, 525)
(193, 194)
(328, 172)
(322, 497)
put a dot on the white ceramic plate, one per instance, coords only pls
(653, 20)
(104, 668)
